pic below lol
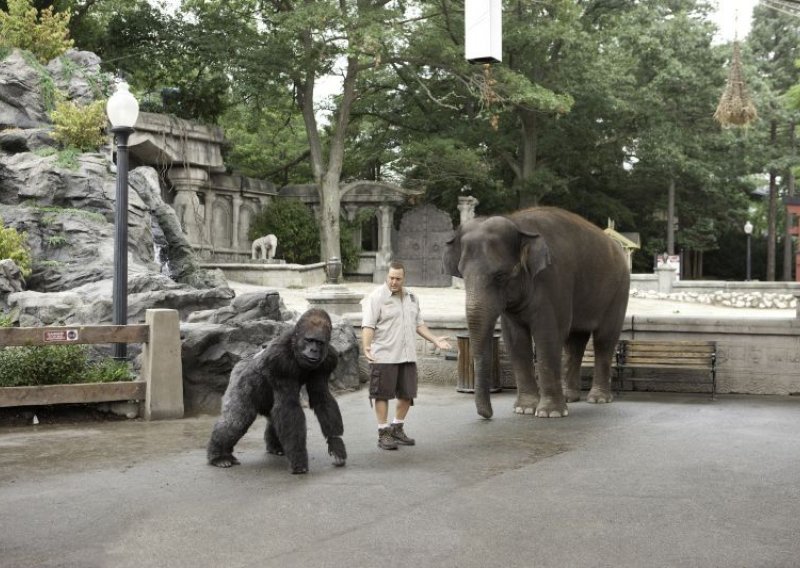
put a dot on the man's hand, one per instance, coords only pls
(368, 353)
(442, 343)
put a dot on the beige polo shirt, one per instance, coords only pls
(395, 321)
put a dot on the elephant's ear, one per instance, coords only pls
(534, 253)
(452, 254)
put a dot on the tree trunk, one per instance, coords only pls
(671, 217)
(328, 176)
(773, 208)
(528, 197)
(790, 189)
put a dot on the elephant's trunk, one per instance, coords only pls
(481, 331)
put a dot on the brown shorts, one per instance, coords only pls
(393, 380)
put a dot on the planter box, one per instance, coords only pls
(72, 394)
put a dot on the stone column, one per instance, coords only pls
(666, 276)
(187, 182)
(466, 207)
(350, 213)
(237, 204)
(208, 217)
(384, 256)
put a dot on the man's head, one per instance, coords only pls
(396, 276)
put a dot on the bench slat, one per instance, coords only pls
(72, 394)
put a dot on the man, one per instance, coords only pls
(391, 318)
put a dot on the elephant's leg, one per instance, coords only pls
(575, 348)
(548, 363)
(601, 379)
(520, 350)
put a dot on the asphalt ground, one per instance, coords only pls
(650, 480)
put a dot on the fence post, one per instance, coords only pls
(161, 366)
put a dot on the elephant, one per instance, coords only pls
(554, 279)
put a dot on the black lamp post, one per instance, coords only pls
(122, 110)
(748, 230)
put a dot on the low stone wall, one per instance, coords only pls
(273, 275)
(754, 357)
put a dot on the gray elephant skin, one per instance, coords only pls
(554, 279)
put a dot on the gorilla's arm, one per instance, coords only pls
(326, 408)
(287, 416)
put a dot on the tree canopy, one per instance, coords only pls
(604, 107)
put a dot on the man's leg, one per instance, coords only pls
(381, 411)
(383, 379)
(406, 392)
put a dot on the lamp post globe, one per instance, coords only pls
(122, 110)
(748, 230)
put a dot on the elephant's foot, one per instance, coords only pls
(526, 404)
(572, 395)
(551, 408)
(599, 396)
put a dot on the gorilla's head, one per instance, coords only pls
(311, 338)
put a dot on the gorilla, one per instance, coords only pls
(269, 384)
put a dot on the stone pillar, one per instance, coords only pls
(384, 255)
(187, 182)
(208, 217)
(466, 207)
(350, 214)
(162, 367)
(666, 276)
(237, 204)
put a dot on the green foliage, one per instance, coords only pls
(56, 364)
(45, 33)
(294, 226)
(50, 213)
(80, 127)
(14, 245)
(298, 233)
(56, 241)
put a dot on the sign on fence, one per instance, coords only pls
(53, 335)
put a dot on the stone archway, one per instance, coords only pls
(420, 245)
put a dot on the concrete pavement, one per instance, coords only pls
(653, 479)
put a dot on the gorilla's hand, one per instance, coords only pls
(224, 461)
(336, 449)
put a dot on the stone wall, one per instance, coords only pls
(754, 357)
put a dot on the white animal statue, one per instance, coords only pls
(266, 246)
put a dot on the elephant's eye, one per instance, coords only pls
(500, 277)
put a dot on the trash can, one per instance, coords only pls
(466, 365)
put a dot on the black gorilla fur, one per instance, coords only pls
(269, 384)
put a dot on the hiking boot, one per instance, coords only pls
(385, 439)
(400, 436)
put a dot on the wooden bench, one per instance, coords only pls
(668, 356)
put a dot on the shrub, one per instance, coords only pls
(45, 33)
(298, 233)
(294, 225)
(56, 364)
(80, 127)
(13, 245)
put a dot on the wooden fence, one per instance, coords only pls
(159, 388)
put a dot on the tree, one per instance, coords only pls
(44, 33)
(774, 41)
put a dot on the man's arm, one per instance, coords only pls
(440, 342)
(367, 333)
